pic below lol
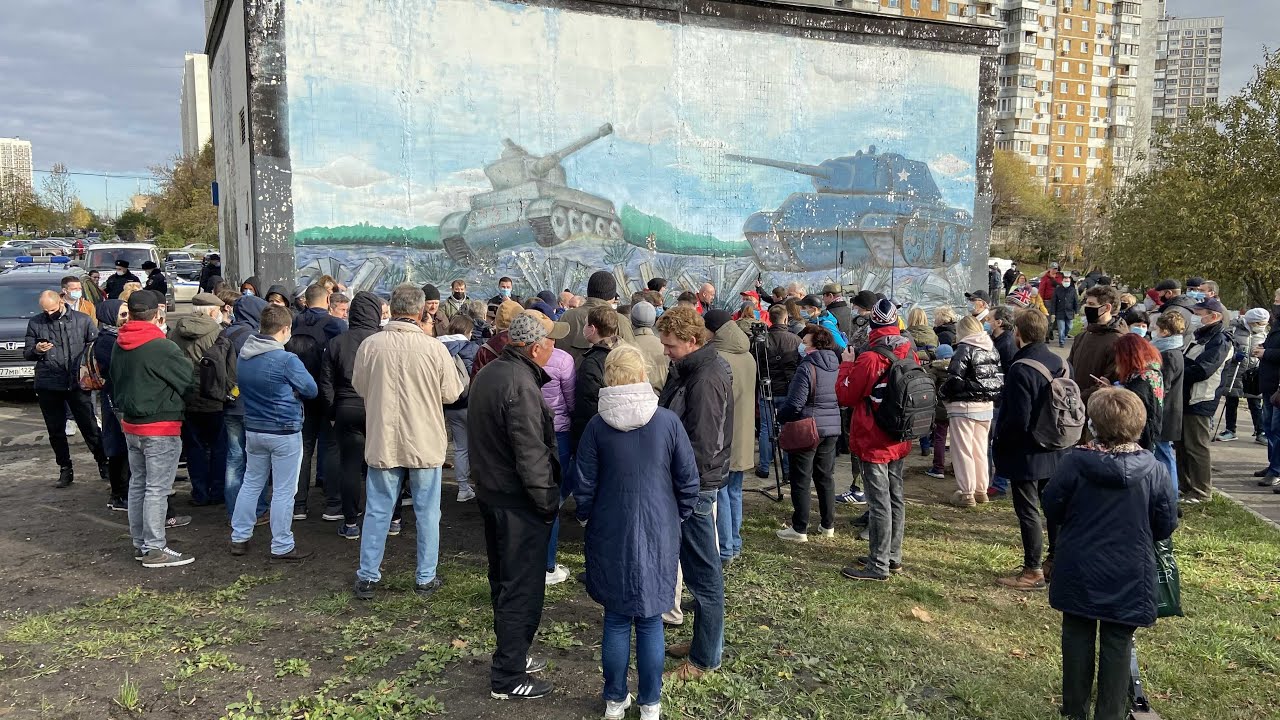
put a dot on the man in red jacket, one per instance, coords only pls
(1049, 282)
(881, 456)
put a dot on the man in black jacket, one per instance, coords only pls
(211, 268)
(776, 360)
(156, 281)
(115, 284)
(1018, 456)
(57, 340)
(516, 470)
(313, 328)
(700, 391)
(836, 305)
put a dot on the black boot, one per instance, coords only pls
(65, 476)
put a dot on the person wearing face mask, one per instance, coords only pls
(1205, 359)
(1092, 353)
(452, 305)
(973, 384)
(156, 281)
(211, 268)
(203, 441)
(505, 286)
(112, 314)
(1247, 331)
(1166, 336)
(57, 340)
(1066, 303)
(979, 305)
(73, 296)
(150, 377)
(1170, 299)
(115, 284)
(999, 326)
(1138, 322)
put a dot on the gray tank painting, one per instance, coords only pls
(877, 208)
(531, 202)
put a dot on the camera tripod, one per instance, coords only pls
(760, 348)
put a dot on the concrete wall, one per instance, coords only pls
(229, 100)
(196, 114)
(415, 141)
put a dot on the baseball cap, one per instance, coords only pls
(530, 326)
(811, 301)
(1194, 282)
(143, 301)
(506, 313)
(1168, 284)
(204, 300)
(1209, 304)
(978, 295)
(1053, 266)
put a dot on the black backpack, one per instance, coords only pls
(904, 398)
(308, 343)
(217, 368)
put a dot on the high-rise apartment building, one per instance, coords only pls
(15, 159)
(1188, 66)
(197, 123)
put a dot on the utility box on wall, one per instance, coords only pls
(428, 140)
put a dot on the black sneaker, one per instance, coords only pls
(858, 573)
(428, 589)
(1264, 473)
(894, 566)
(534, 665)
(762, 473)
(239, 548)
(139, 554)
(118, 504)
(527, 689)
(65, 477)
(862, 520)
(363, 589)
(299, 512)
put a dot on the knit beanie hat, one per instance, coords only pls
(602, 285)
(884, 314)
(431, 292)
(715, 319)
(945, 352)
(865, 299)
(643, 314)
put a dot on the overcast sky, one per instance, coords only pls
(95, 84)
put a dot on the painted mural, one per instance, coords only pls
(437, 139)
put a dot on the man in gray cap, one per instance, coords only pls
(657, 364)
(1205, 358)
(1171, 299)
(602, 290)
(516, 469)
(202, 438)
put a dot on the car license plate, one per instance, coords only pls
(18, 372)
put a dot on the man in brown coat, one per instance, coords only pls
(1093, 357)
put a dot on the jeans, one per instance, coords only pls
(703, 575)
(456, 419)
(382, 495)
(940, 444)
(116, 450)
(1000, 484)
(317, 432)
(1271, 415)
(153, 462)
(278, 456)
(816, 467)
(515, 540)
(1064, 326)
(1113, 644)
(729, 516)
(1195, 476)
(1232, 409)
(564, 448)
(206, 448)
(1026, 505)
(766, 434)
(348, 427)
(615, 653)
(234, 425)
(1165, 454)
(886, 514)
(54, 405)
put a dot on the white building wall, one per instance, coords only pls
(15, 158)
(197, 124)
(229, 99)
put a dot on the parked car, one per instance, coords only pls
(20, 289)
(46, 247)
(199, 250)
(103, 256)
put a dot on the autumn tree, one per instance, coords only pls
(183, 205)
(16, 197)
(1208, 205)
(1021, 207)
(80, 217)
(58, 195)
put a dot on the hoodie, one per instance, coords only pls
(252, 281)
(245, 315)
(338, 363)
(194, 335)
(150, 378)
(461, 348)
(627, 407)
(272, 380)
(735, 348)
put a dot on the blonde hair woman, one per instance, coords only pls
(637, 481)
(944, 325)
(973, 383)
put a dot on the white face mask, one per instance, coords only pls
(383, 322)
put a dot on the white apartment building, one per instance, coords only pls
(15, 159)
(197, 122)
(1188, 66)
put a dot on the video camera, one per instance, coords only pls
(759, 333)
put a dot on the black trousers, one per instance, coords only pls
(53, 406)
(516, 539)
(1079, 638)
(1026, 505)
(348, 429)
(816, 466)
(318, 431)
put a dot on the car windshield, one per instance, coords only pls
(23, 301)
(12, 252)
(107, 257)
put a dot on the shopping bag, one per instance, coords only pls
(1168, 585)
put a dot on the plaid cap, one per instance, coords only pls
(531, 326)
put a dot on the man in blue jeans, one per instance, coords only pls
(700, 391)
(246, 314)
(272, 383)
(406, 377)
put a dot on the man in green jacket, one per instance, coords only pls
(203, 439)
(150, 378)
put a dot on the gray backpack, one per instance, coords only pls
(1060, 422)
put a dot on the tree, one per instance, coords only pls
(137, 224)
(57, 194)
(1021, 207)
(80, 217)
(16, 197)
(184, 204)
(1207, 205)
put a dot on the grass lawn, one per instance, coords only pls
(939, 641)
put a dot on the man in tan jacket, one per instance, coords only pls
(405, 377)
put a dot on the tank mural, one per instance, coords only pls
(647, 148)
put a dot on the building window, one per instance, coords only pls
(893, 3)
(1084, 48)
(1061, 150)
(953, 8)
(1080, 110)
(1062, 87)
(1066, 46)
(1062, 130)
(1080, 89)
(1083, 68)
(1066, 66)
(1084, 25)
(1075, 171)
(1077, 151)
(1066, 23)
(937, 5)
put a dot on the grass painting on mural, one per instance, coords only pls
(238, 639)
(785, 157)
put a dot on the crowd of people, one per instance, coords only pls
(649, 413)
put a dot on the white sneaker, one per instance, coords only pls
(466, 495)
(615, 710)
(790, 535)
(828, 532)
(71, 428)
(557, 576)
(650, 712)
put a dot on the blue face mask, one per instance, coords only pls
(247, 292)
(1138, 330)
(504, 292)
(1197, 295)
(986, 327)
(657, 312)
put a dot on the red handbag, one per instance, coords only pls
(802, 435)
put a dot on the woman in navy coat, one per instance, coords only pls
(812, 394)
(1111, 501)
(637, 481)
